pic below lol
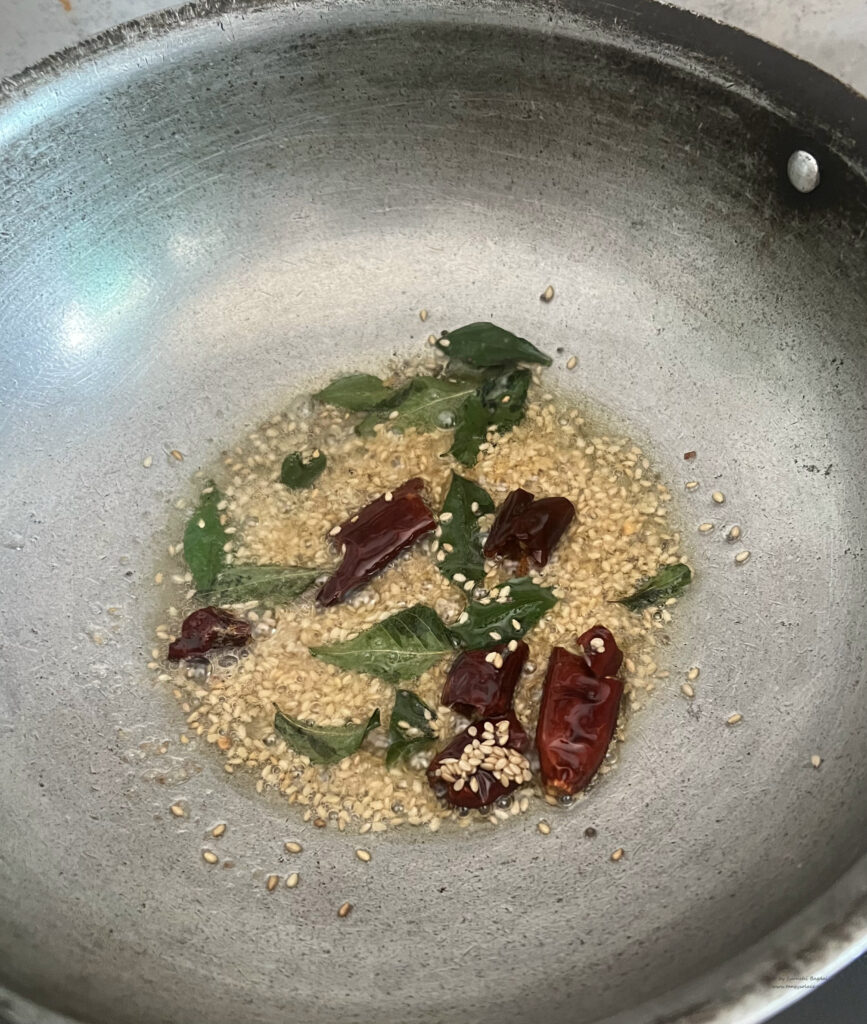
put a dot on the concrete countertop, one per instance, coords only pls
(829, 33)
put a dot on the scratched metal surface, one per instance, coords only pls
(194, 226)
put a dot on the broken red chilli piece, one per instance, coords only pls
(207, 628)
(526, 528)
(376, 535)
(475, 686)
(506, 767)
(578, 714)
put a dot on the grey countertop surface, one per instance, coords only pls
(829, 33)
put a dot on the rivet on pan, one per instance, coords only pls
(803, 171)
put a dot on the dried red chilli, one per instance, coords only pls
(526, 528)
(376, 535)
(578, 714)
(207, 628)
(490, 788)
(475, 686)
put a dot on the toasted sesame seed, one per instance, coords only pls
(292, 880)
(422, 315)
(498, 660)
(472, 731)
(319, 823)
(734, 719)
(469, 585)
(293, 847)
(440, 556)
(444, 342)
(176, 455)
(494, 635)
(459, 577)
(334, 531)
(691, 485)
(687, 690)
(705, 528)
(516, 625)
(177, 810)
(693, 673)
(209, 857)
(548, 294)
(618, 853)
(513, 645)
(689, 455)
(741, 557)
(815, 760)
(571, 362)
(363, 855)
(446, 517)
(718, 497)
(463, 617)
(148, 461)
(506, 399)
(218, 830)
(733, 534)
(271, 882)
(449, 548)
(344, 909)
(544, 828)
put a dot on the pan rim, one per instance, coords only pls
(834, 115)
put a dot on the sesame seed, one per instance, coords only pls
(448, 547)
(693, 673)
(687, 690)
(441, 556)
(815, 760)
(513, 645)
(705, 528)
(158, 578)
(446, 517)
(176, 455)
(293, 880)
(571, 363)
(319, 823)
(474, 506)
(718, 497)
(271, 882)
(469, 585)
(515, 624)
(506, 399)
(489, 657)
(741, 557)
(201, 524)
(422, 315)
(393, 415)
(494, 635)
(544, 828)
(458, 785)
(691, 485)
(344, 909)
(148, 461)
(209, 857)
(334, 531)
(463, 617)
(431, 339)
(293, 847)
(218, 830)
(388, 496)
(498, 660)
(444, 342)
(618, 854)
(734, 719)
(177, 810)
(363, 855)
(597, 644)
(548, 294)
(733, 534)
(472, 731)
(459, 577)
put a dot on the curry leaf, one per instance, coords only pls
(512, 385)
(297, 472)
(400, 647)
(464, 503)
(427, 403)
(484, 344)
(409, 729)
(471, 425)
(323, 744)
(668, 582)
(512, 609)
(359, 392)
(277, 584)
(204, 537)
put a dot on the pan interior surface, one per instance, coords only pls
(198, 224)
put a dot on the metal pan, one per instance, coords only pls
(199, 213)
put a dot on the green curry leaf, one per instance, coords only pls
(484, 344)
(274, 584)
(359, 392)
(409, 729)
(400, 647)
(668, 582)
(511, 610)
(323, 744)
(298, 472)
(459, 542)
(204, 538)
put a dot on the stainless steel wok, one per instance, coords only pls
(201, 212)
